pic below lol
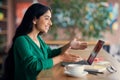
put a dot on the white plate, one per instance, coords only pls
(76, 75)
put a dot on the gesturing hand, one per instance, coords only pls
(68, 57)
(74, 44)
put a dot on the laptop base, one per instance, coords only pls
(82, 62)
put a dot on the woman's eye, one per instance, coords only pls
(46, 18)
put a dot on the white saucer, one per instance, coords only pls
(76, 75)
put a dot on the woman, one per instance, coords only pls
(29, 54)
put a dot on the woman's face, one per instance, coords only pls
(44, 22)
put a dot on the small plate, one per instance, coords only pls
(76, 75)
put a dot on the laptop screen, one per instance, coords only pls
(95, 51)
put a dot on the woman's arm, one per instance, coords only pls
(74, 44)
(68, 57)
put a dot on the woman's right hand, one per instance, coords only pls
(66, 57)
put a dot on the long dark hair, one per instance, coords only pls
(34, 11)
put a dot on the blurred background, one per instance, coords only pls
(87, 20)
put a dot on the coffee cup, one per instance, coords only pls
(74, 68)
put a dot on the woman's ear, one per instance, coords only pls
(34, 20)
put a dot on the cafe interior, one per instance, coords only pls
(86, 20)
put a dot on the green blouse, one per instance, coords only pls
(31, 59)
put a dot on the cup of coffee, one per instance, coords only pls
(74, 68)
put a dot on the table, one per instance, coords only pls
(57, 72)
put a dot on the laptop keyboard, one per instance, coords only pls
(82, 62)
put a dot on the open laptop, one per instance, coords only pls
(92, 56)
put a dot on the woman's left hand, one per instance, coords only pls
(74, 44)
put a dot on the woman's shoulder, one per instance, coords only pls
(22, 38)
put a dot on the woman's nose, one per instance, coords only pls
(50, 22)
